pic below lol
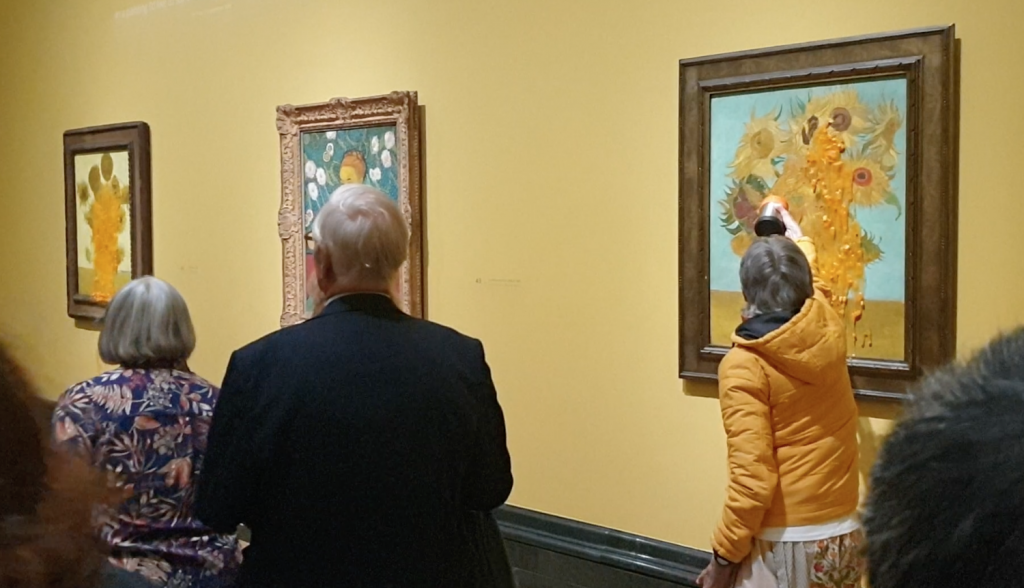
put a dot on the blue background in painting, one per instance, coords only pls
(314, 149)
(326, 150)
(884, 279)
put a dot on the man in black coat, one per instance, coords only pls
(357, 446)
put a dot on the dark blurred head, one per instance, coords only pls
(22, 466)
(46, 499)
(946, 507)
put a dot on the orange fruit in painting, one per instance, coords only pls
(353, 168)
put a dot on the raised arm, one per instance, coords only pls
(230, 474)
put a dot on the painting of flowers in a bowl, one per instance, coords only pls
(837, 154)
(344, 156)
(104, 224)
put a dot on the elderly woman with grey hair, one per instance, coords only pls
(790, 418)
(146, 422)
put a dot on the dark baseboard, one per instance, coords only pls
(553, 552)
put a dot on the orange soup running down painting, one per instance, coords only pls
(103, 224)
(837, 154)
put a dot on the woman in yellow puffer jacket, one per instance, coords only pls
(791, 423)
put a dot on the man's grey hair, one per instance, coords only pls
(365, 235)
(775, 276)
(146, 324)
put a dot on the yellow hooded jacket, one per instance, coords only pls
(791, 426)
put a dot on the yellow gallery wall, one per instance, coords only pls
(551, 195)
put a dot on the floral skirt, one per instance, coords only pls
(827, 563)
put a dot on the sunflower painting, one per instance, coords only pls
(345, 156)
(104, 224)
(838, 156)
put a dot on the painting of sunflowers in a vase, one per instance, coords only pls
(103, 225)
(344, 156)
(837, 154)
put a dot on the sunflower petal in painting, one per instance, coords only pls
(872, 185)
(880, 136)
(843, 112)
(739, 211)
(759, 148)
(871, 246)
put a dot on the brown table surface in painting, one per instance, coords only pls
(883, 319)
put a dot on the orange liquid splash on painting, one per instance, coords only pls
(837, 235)
(108, 220)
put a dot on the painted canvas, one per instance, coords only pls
(344, 156)
(837, 153)
(373, 141)
(102, 186)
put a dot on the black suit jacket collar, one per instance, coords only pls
(361, 303)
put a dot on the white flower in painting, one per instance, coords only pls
(329, 152)
(375, 144)
(331, 135)
(385, 158)
(312, 190)
(309, 217)
(389, 140)
(321, 176)
(375, 174)
(310, 169)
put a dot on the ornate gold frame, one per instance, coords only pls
(397, 108)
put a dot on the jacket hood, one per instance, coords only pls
(809, 346)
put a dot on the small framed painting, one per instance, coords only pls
(373, 141)
(107, 213)
(859, 136)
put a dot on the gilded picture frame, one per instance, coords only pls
(374, 140)
(755, 123)
(107, 206)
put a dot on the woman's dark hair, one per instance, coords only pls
(47, 498)
(22, 463)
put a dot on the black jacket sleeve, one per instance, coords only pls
(488, 481)
(228, 481)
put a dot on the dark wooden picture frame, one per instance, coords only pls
(929, 61)
(134, 139)
(340, 115)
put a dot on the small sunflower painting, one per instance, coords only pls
(345, 156)
(103, 224)
(838, 156)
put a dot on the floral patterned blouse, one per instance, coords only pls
(149, 427)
